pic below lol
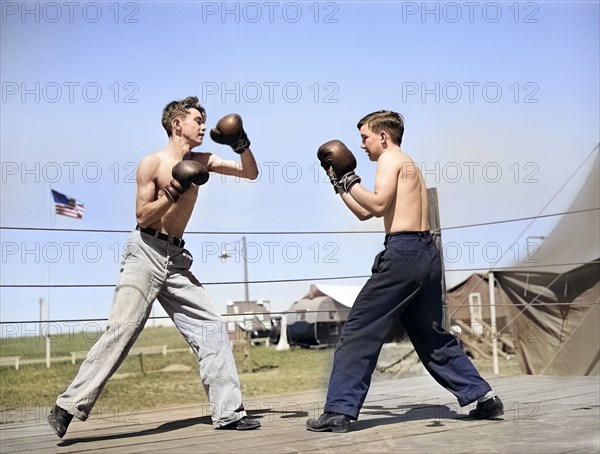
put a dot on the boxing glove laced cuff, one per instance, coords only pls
(347, 181)
(242, 145)
(171, 193)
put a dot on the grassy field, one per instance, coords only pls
(61, 344)
(166, 380)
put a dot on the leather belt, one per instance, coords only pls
(161, 236)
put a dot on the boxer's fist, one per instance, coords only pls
(339, 163)
(185, 173)
(230, 131)
(190, 172)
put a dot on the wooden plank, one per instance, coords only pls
(542, 414)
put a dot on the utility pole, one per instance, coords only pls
(225, 255)
(245, 257)
(41, 317)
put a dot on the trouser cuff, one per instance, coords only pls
(472, 396)
(351, 412)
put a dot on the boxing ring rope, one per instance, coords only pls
(284, 233)
(276, 281)
(267, 281)
(314, 279)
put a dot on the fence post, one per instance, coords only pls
(436, 229)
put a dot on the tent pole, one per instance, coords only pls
(494, 333)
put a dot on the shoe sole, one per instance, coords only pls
(247, 428)
(235, 426)
(56, 431)
(482, 418)
(335, 429)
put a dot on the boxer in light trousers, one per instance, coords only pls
(156, 266)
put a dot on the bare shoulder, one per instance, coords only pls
(203, 157)
(149, 164)
(151, 159)
(405, 157)
(406, 163)
(217, 164)
(396, 160)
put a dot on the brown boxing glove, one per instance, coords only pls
(230, 131)
(185, 173)
(339, 163)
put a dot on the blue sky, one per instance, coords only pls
(501, 103)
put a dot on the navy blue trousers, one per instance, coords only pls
(406, 283)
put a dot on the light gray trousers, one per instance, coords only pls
(155, 269)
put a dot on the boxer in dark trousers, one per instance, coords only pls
(406, 281)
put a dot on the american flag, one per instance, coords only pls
(67, 206)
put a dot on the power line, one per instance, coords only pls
(520, 219)
(207, 232)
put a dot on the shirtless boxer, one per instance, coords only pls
(156, 266)
(406, 281)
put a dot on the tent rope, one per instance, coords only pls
(549, 201)
(569, 338)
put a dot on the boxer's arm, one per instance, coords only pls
(149, 208)
(246, 167)
(386, 183)
(353, 205)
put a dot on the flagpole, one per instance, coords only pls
(48, 290)
(65, 206)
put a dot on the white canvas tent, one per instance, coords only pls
(555, 300)
(343, 294)
(318, 317)
(575, 239)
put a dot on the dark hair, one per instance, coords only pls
(385, 120)
(178, 109)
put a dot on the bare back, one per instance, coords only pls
(408, 210)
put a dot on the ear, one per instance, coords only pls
(176, 124)
(383, 136)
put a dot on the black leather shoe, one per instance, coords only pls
(329, 422)
(59, 420)
(488, 409)
(242, 424)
